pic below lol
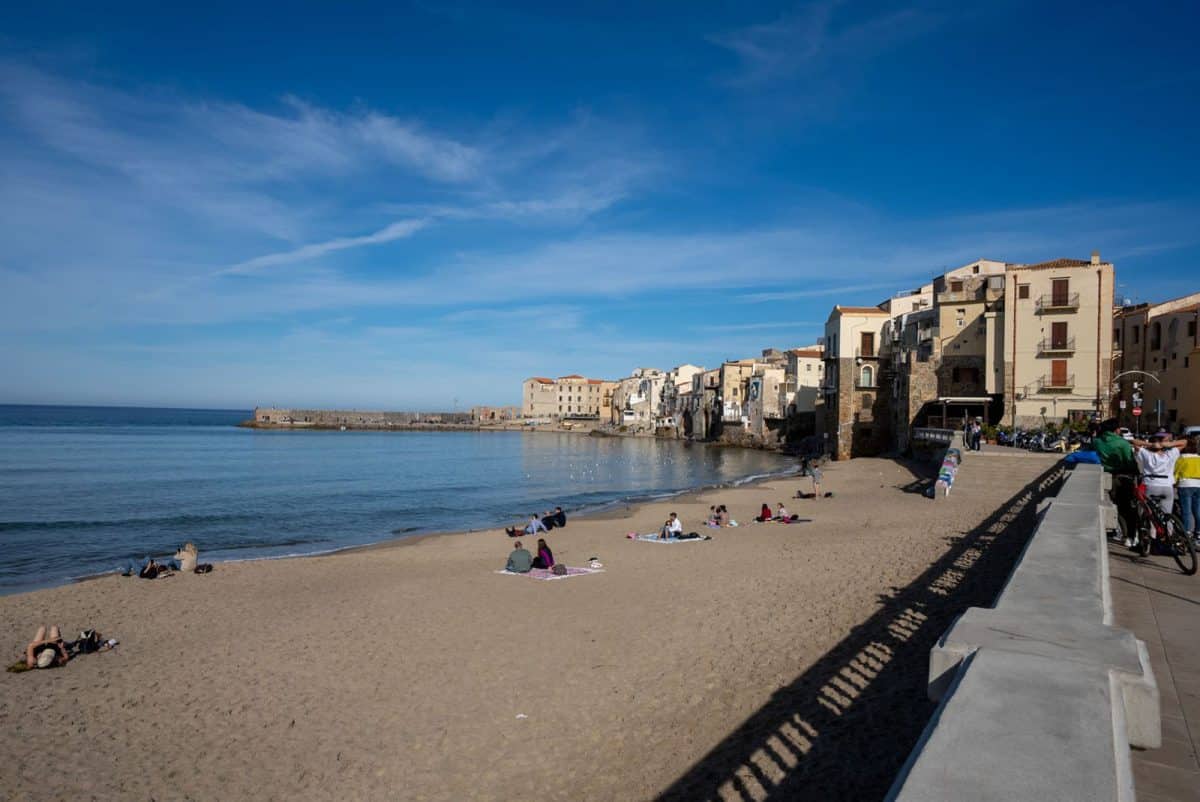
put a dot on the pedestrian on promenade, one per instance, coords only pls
(1187, 479)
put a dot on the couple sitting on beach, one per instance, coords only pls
(520, 561)
(673, 528)
(52, 651)
(548, 521)
(781, 514)
(719, 516)
(185, 560)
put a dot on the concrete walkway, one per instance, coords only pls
(1162, 607)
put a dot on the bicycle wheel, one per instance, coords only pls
(1145, 535)
(1181, 545)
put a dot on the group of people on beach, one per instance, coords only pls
(780, 514)
(520, 561)
(539, 523)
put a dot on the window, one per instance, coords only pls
(1136, 334)
(868, 343)
(1156, 337)
(956, 286)
(867, 377)
(1060, 291)
(1174, 393)
(1116, 337)
(975, 269)
(1023, 291)
(1191, 328)
(808, 367)
(1058, 373)
(1058, 335)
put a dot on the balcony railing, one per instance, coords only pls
(1053, 346)
(1056, 383)
(870, 353)
(1053, 302)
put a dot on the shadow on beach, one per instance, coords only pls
(843, 728)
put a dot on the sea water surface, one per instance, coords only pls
(83, 489)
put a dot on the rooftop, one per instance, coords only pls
(1051, 265)
(861, 310)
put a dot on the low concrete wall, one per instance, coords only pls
(1040, 696)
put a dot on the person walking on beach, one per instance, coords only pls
(520, 560)
(673, 527)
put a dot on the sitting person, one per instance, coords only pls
(46, 652)
(672, 527)
(520, 561)
(545, 557)
(154, 570)
(782, 514)
(187, 557)
(765, 514)
(548, 520)
(560, 517)
(714, 518)
(722, 516)
(535, 525)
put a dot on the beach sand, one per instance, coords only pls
(692, 671)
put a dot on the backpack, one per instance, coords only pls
(89, 641)
(559, 569)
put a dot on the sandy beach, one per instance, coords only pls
(771, 656)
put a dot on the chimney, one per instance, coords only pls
(1095, 257)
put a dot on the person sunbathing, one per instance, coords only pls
(46, 652)
(545, 557)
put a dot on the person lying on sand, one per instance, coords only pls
(545, 557)
(154, 570)
(46, 652)
(520, 561)
(672, 526)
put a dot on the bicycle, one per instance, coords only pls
(1155, 523)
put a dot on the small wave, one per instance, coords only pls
(168, 520)
(404, 530)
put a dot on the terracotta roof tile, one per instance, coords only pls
(810, 353)
(1052, 264)
(542, 380)
(862, 310)
(572, 376)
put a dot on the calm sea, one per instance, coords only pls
(83, 489)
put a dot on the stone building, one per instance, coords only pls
(637, 399)
(494, 414)
(676, 397)
(854, 415)
(804, 374)
(1058, 340)
(571, 397)
(1162, 340)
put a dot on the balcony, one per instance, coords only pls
(869, 353)
(1050, 384)
(1052, 346)
(1058, 302)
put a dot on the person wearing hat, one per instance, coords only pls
(1156, 462)
(45, 652)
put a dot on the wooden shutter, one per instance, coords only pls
(1058, 335)
(868, 343)
(1058, 373)
(1060, 291)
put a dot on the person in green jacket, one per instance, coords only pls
(1116, 455)
(520, 561)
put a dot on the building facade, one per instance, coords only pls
(571, 397)
(853, 419)
(1157, 346)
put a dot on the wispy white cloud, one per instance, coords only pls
(816, 38)
(389, 233)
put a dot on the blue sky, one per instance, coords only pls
(418, 205)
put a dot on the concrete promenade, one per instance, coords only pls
(1161, 606)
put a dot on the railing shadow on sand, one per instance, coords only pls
(843, 728)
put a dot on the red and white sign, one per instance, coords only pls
(1137, 411)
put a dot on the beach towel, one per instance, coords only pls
(652, 538)
(546, 573)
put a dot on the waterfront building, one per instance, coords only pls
(571, 397)
(1058, 340)
(637, 399)
(851, 399)
(1162, 340)
(483, 414)
(801, 391)
(676, 397)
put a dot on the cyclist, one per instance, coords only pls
(1156, 462)
(1116, 455)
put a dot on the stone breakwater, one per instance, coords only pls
(282, 418)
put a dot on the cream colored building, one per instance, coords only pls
(637, 399)
(1162, 340)
(676, 397)
(805, 372)
(765, 393)
(1058, 340)
(566, 398)
(853, 358)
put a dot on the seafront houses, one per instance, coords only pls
(804, 375)
(703, 419)
(481, 414)
(1057, 347)
(852, 403)
(571, 397)
(637, 399)
(1020, 344)
(1160, 339)
(676, 397)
